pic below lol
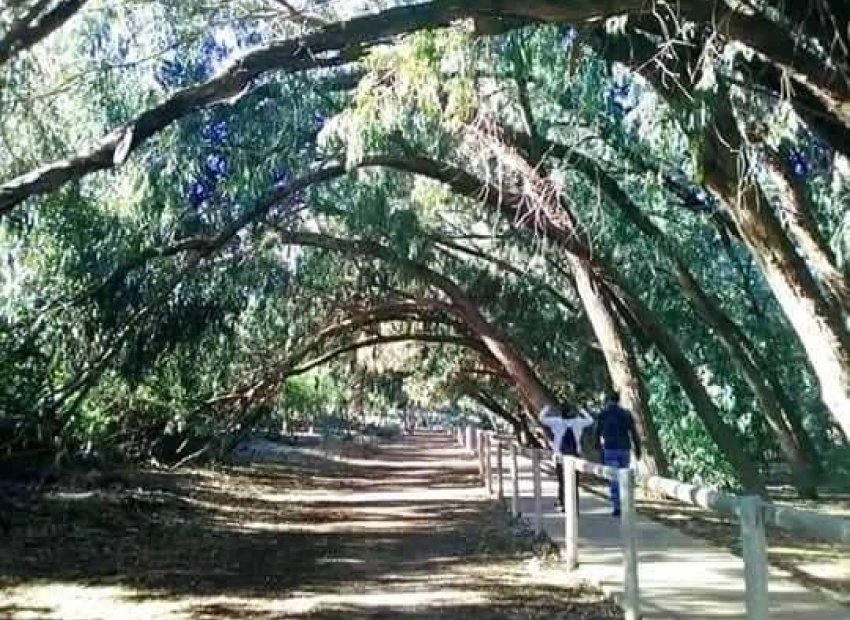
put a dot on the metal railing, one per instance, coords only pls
(751, 511)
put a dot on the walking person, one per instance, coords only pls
(566, 432)
(617, 435)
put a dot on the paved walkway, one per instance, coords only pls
(680, 576)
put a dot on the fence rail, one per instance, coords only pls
(752, 513)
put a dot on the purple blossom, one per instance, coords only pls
(215, 132)
(198, 193)
(215, 167)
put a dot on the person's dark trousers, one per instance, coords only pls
(559, 471)
(619, 459)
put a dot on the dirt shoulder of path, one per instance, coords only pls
(403, 533)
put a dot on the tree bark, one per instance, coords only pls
(784, 66)
(35, 25)
(561, 223)
(815, 319)
(592, 283)
(344, 41)
(331, 46)
(776, 406)
(779, 46)
(825, 118)
(621, 361)
(497, 344)
(724, 436)
(468, 185)
(804, 230)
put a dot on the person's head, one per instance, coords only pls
(613, 397)
(566, 409)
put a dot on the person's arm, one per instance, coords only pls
(584, 419)
(597, 431)
(546, 414)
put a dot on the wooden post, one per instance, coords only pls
(488, 462)
(514, 481)
(754, 545)
(500, 480)
(538, 491)
(628, 522)
(570, 513)
(479, 446)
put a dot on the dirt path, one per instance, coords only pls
(405, 533)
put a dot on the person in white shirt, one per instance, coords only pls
(566, 434)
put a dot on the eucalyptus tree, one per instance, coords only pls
(636, 190)
(768, 28)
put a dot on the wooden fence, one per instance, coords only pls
(752, 513)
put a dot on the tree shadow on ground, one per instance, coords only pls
(260, 540)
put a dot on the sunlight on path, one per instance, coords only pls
(408, 534)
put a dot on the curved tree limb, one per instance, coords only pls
(37, 23)
(330, 46)
(344, 41)
(519, 370)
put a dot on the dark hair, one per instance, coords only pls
(565, 409)
(614, 396)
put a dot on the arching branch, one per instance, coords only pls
(333, 45)
(35, 24)
(460, 341)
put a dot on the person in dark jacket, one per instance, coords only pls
(617, 435)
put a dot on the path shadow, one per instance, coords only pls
(214, 540)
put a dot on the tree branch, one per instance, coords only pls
(35, 25)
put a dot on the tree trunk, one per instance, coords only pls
(804, 230)
(816, 321)
(564, 227)
(727, 439)
(466, 184)
(527, 382)
(622, 365)
(337, 44)
(34, 25)
(777, 408)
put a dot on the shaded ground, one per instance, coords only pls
(814, 563)
(403, 534)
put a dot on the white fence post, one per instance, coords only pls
(570, 512)
(628, 521)
(754, 545)
(470, 439)
(500, 480)
(479, 447)
(538, 491)
(514, 481)
(488, 462)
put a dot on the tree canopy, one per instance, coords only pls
(216, 215)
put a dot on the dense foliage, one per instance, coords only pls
(254, 217)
